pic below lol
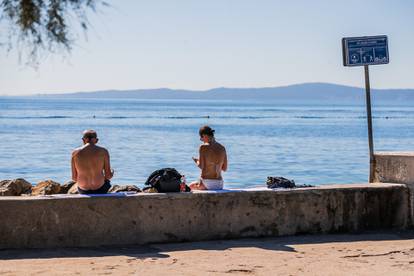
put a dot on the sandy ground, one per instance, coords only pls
(384, 253)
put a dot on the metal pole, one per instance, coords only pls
(369, 121)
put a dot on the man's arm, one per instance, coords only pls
(74, 171)
(107, 166)
(224, 167)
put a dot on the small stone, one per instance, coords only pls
(47, 187)
(14, 187)
(124, 188)
(150, 190)
(64, 189)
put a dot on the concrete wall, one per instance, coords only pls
(76, 221)
(396, 167)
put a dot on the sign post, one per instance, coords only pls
(369, 121)
(365, 51)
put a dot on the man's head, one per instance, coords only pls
(206, 134)
(90, 136)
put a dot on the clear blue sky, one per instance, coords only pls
(232, 43)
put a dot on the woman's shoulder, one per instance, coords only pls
(204, 146)
(220, 146)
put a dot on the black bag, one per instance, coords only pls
(279, 182)
(166, 180)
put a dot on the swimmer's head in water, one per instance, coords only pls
(90, 136)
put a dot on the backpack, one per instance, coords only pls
(279, 182)
(165, 180)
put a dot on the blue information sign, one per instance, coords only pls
(366, 50)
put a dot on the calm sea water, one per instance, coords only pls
(312, 144)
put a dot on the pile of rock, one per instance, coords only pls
(15, 187)
(124, 188)
(18, 187)
(47, 187)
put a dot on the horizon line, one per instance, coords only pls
(193, 90)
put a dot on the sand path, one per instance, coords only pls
(368, 254)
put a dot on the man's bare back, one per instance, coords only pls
(90, 164)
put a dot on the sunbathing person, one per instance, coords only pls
(91, 168)
(212, 161)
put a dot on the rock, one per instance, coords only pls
(64, 189)
(74, 189)
(14, 187)
(124, 188)
(47, 187)
(150, 190)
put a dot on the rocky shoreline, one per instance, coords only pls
(21, 187)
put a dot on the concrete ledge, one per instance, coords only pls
(77, 221)
(397, 167)
(394, 167)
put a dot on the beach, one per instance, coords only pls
(378, 253)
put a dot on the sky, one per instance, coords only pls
(199, 45)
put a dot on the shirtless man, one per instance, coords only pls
(91, 168)
(212, 161)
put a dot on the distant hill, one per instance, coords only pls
(307, 92)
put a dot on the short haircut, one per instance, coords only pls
(206, 130)
(90, 134)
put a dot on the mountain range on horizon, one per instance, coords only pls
(306, 92)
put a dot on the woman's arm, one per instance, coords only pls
(201, 161)
(224, 167)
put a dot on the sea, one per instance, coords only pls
(313, 144)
